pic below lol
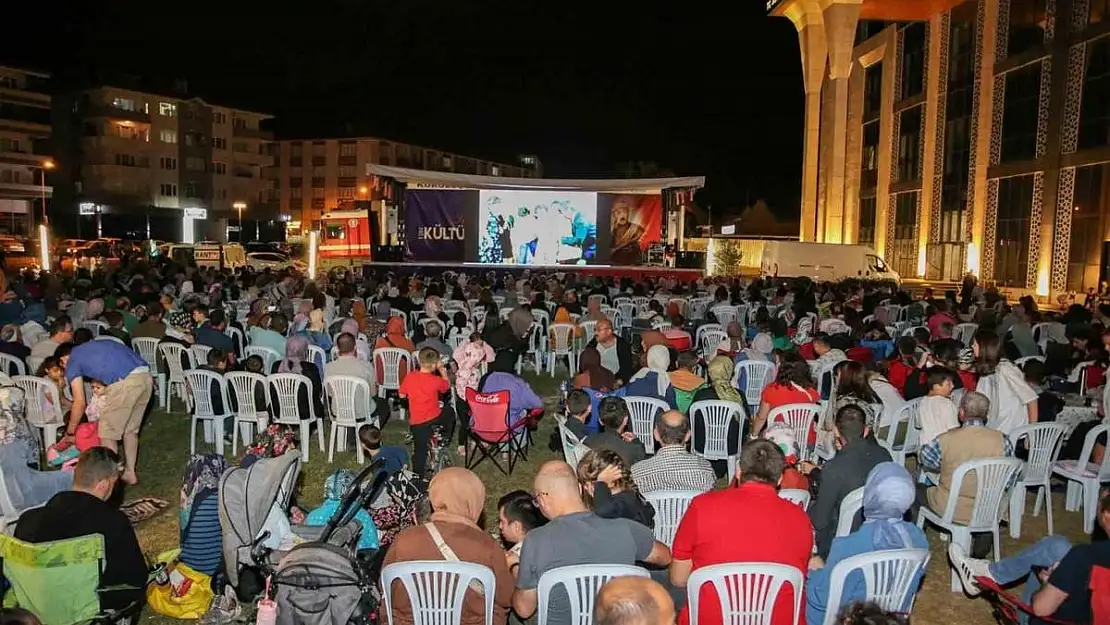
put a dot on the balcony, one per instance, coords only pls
(251, 133)
(23, 158)
(348, 160)
(319, 161)
(25, 98)
(240, 172)
(111, 112)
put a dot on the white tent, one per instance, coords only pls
(418, 178)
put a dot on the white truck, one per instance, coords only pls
(823, 262)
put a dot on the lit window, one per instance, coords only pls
(347, 149)
(167, 162)
(125, 104)
(167, 109)
(168, 190)
(168, 136)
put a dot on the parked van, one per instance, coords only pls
(823, 262)
(219, 255)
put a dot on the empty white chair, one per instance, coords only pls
(643, 411)
(436, 589)
(562, 346)
(249, 414)
(796, 496)
(747, 592)
(10, 365)
(287, 410)
(891, 576)
(147, 347)
(43, 405)
(992, 476)
(801, 418)
(849, 507)
(910, 444)
(715, 416)
(318, 357)
(389, 361)
(200, 354)
(1044, 441)
(669, 506)
(200, 383)
(1084, 478)
(351, 408)
(757, 375)
(268, 355)
(581, 583)
(178, 360)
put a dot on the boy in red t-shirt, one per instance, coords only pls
(423, 388)
(903, 365)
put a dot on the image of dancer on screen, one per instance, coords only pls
(581, 244)
(626, 235)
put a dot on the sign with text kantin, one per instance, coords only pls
(434, 225)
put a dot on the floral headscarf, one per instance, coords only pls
(202, 473)
(337, 484)
(272, 442)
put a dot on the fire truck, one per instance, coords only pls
(345, 239)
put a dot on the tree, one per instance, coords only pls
(726, 257)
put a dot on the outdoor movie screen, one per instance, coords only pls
(537, 227)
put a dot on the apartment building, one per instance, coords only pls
(311, 177)
(960, 135)
(150, 161)
(24, 136)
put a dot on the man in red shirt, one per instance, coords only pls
(423, 388)
(745, 524)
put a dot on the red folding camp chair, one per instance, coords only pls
(491, 430)
(1007, 606)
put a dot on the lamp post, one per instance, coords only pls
(46, 166)
(239, 206)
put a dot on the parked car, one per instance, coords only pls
(273, 261)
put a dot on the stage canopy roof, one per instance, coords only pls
(433, 179)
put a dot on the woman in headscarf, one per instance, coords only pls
(734, 342)
(759, 349)
(316, 331)
(335, 487)
(457, 497)
(257, 312)
(200, 513)
(652, 380)
(591, 374)
(300, 319)
(720, 387)
(574, 307)
(26, 486)
(593, 310)
(887, 495)
(296, 361)
(562, 315)
(358, 313)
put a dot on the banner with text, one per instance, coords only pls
(435, 227)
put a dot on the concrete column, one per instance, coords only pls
(840, 19)
(807, 19)
(983, 105)
(933, 141)
(883, 214)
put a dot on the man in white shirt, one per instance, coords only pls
(61, 331)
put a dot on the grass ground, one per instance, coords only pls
(165, 450)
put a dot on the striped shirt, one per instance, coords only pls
(673, 468)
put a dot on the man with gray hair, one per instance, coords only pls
(672, 467)
(633, 601)
(973, 440)
(432, 334)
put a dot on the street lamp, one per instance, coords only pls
(46, 165)
(239, 206)
(363, 190)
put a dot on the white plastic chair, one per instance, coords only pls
(909, 330)
(96, 327)
(889, 576)
(1049, 331)
(747, 592)
(708, 341)
(200, 354)
(47, 417)
(391, 362)
(199, 382)
(911, 444)
(173, 354)
(147, 347)
(456, 341)
(351, 408)
(757, 375)
(581, 583)
(1044, 441)
(849, 507)
(992, 476)
(669, 506)
(1020, 362)
(795, 496)
(801, 418)
(717, 415)
(562, 347)
(318, 357)
(1084, 478)
(249, 415)
(268, 355)
(8, 363)
(287, 387)
(236, 336)
(537, 345)
(724, 315)
(436, 589)
(965, 333)
(643, 412)
(109, 337)
(573, 448)
(589, 328)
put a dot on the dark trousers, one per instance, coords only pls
(422, 435)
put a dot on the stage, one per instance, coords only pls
(634, 272)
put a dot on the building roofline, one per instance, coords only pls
(179, 98)
(24, 70)
(414, 145)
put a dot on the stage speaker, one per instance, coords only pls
(690, 260)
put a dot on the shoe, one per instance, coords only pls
(968, 569)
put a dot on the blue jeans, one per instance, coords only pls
(1048, 551)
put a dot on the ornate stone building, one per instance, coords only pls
(960, 135)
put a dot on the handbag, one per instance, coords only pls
(186, 595)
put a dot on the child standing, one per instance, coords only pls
(937, 413)
(423, 389)
(395, 458)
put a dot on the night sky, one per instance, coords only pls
(699, 87)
